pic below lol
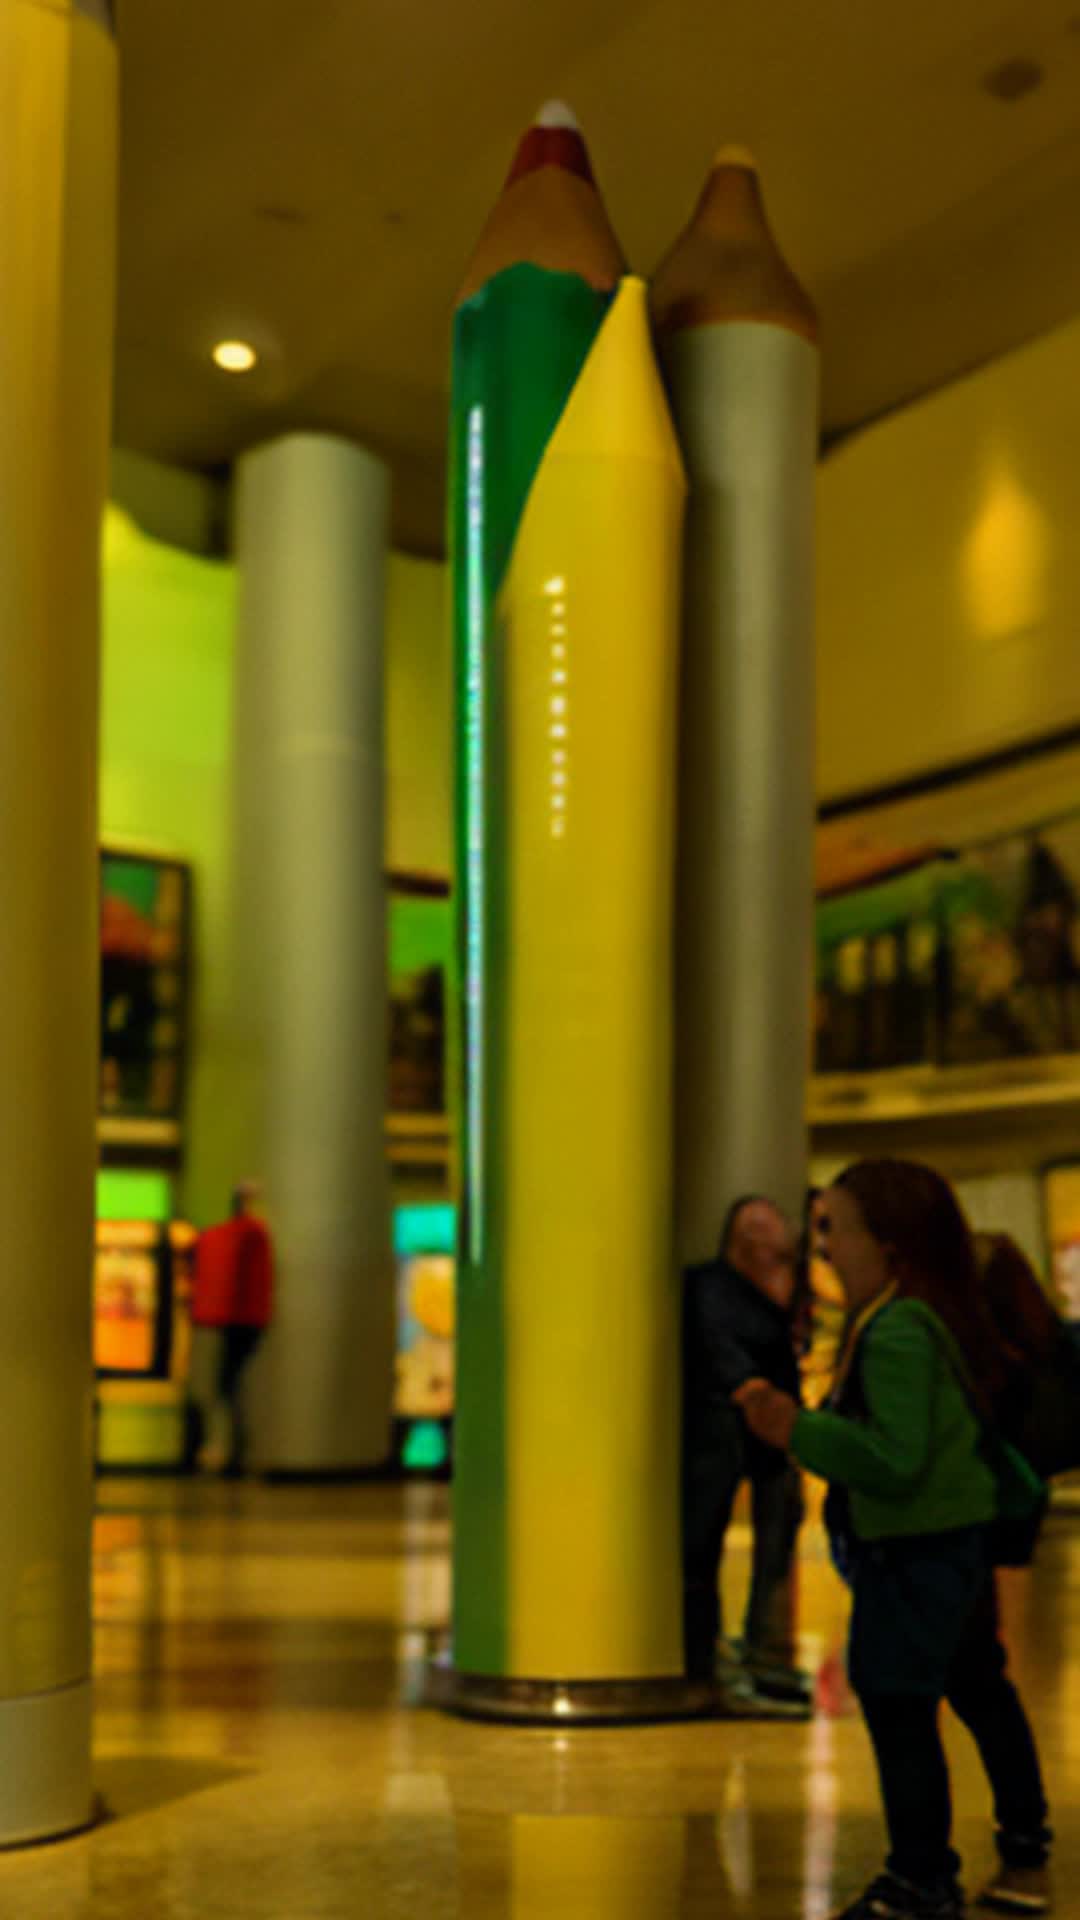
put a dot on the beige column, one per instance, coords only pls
(312, 535)
(57, 191)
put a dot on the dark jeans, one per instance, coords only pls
(238, 1346)
(238, 1349)
(911, 1760)
(711, 1480)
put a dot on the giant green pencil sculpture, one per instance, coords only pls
(567, 493)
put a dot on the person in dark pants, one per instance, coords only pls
(232, 1304)
(737, 1324)
(909, 1444)
(981, 1694)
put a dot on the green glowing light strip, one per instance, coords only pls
(519, 346)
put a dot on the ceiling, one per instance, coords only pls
(865, 843)
(312, 175)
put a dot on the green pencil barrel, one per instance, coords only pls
(519, 346)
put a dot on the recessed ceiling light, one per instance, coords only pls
(235, 356)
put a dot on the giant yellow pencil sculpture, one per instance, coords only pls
(566, 1515)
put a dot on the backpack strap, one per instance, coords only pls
(1020, 1489)
(844, 1376)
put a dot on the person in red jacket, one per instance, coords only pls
(233, 1298)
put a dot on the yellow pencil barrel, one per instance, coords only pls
(588, 628)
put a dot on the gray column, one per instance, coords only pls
(312, 531)
(57, 188)
(745, 398)
(739, 341)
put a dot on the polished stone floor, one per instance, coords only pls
(261, 1753)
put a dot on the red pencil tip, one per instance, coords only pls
(554, 140)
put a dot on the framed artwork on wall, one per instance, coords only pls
(970, 959)
(1062, 1197)
(421, 945)
(145, 986)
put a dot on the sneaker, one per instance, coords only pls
(1017, 1890)
(782, 1683)
(741, 1698)
(892, 1899)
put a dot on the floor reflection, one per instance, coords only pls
(601, 1869)
(260, 1661)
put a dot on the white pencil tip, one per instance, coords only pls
(735, 156)
(556, 113)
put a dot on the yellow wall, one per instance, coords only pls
(949, 573)
(183, 509)
(166, 721)
(418, 717)
(165, 728)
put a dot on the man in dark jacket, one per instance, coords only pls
(737, 1326)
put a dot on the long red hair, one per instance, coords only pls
(1023, 1315)
(916, 1218)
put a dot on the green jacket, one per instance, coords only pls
(914, 1460)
